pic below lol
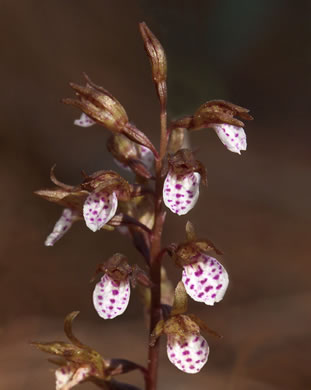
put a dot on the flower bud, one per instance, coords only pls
(157, 57)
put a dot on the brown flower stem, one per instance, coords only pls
(155, 264)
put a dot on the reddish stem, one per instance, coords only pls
(155, 263)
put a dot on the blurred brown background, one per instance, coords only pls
(257, 207)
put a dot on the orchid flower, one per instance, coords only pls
(181, 193)
(189, 355)
(99, 208)
(233, 137)
(205, 280)
(111, 297)
(61, 227)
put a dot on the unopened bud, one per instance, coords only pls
(157, 57)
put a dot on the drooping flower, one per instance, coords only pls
(233, 137)
(224, 117)
(111, 297)
(188, 355)
(205, 279)
(112, 293)
(182, 183)
(99, 208)
(187, 349)
(62, 226)
(181, 192)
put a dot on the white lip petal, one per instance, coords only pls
(99, 208)
(206, 280)
(84, 121)
(188, 356)
(233, 137)
(111, 297)
(61, 227)
(180, 194)
(69, 376)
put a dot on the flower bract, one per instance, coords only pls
(206, 280)
(111, 297)
(181, 193)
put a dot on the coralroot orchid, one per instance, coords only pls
(170, 176)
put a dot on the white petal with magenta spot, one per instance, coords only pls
(233, 137)
(111, 297)
(68, 377)
(206, 280)
(61, 227)
(181, 193)
(99, 208)
(188, 356)
(84, 121)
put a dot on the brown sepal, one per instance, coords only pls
(187, 252)
(98, 104)
(73, 199)
(108, 181)
(219, 111)
(183, 162)
(180, 326)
